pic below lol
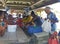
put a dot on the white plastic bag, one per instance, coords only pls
(46, 26)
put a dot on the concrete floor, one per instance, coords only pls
(18, 37)
(14, 37)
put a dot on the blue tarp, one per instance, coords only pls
(34, 29)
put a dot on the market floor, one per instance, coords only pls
(17, 37)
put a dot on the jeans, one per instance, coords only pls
(53, 27)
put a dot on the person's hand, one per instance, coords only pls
(45, 19)
(49, 20)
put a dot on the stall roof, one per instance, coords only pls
(21, 4)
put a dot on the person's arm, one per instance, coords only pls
(5, 25)
(33, 19)
(52, 18)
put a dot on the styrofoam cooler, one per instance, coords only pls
(11, 28)
(41, 38)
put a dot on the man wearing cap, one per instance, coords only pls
(52, 17)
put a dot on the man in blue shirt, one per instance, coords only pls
(52, 17)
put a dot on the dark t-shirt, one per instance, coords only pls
(38, 21)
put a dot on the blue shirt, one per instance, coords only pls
(38, 21)
(51, 16)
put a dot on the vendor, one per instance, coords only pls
(36, 19)
(2, 24)
(52, 17)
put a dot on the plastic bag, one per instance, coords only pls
(46, 26)
(53, 39)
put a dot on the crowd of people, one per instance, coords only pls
(26, 21)
(38, 21)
